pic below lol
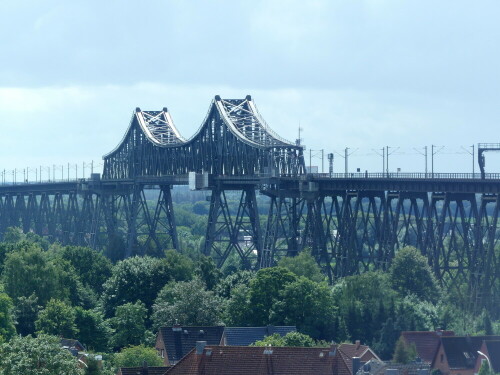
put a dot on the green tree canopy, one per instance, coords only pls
(92, 266)
(58, 319)
(94, 331)
(128, 325)
(135, 278)
(303, 265)
(187, 302)
(410, 274)
(265, 290)
(290, 339)
(135, 356)
(7, 329)
(307, 305)
(404, 353)
(28, 270)
(42, 355)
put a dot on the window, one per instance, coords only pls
(163, 353)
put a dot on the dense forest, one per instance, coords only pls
(115, 306)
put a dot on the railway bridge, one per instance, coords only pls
(351, 222)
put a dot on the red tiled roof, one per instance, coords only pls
(348, 351)
(238, 360)
(426, 342)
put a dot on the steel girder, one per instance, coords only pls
(233, 140)
(351, 232)
(229, 233)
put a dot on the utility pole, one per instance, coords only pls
(432, 158)
(346, 157)
(330, 164)
(387, 156)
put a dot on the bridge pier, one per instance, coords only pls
(234, 234)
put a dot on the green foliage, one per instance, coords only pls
(225, 287)
(207, 271)
(485, 369)
(128, 325)
(92, 266)
(265, 289)
(42, 355)
(303, 265)
(181, 267)
(13, 235)
(403, 352)
(7, 329)
(187, 302)
(57, 319)
(238, 313)
(94, 332)
(133, 279)
(290, 339)
(410, 274)
(307, 305)
(135, 356)
(26, 312)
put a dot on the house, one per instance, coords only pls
(355, 355)
(242, 360)
(143, 370)
(173, 343)
(457, 355)
(73, 346)
(245, 336)
(490, 352)
(426, 342)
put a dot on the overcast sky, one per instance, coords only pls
(357, 74)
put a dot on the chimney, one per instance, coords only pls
(200, 345)
(144, 368)
(356, 364)
(358, 343)
(177, 331)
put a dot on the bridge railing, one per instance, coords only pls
(410, 176)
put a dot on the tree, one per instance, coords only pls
(26, 312)
(303, 265)
(135, 356)
(208, 272)
(57, 319)
(42, 355)
(265, 290)
(92, 266)
(181, 267)
(307, 305)
(225, 287)
(94, 332)
(410, 274)
(404, 353)
(133, 279)
(28, 271)
(187, 302)
(7, 329)
(290, 339)
(128, 325)
(237, 312)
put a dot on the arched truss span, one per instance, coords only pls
(233, 140)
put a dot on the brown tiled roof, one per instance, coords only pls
(187, 339)
(143, 370)
(426, 342)
(252, 360)
(349, 351)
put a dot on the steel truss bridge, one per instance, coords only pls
(351, 222)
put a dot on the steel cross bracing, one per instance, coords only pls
(351, 223)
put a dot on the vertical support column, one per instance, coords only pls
(241, 234)
(163, 223)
